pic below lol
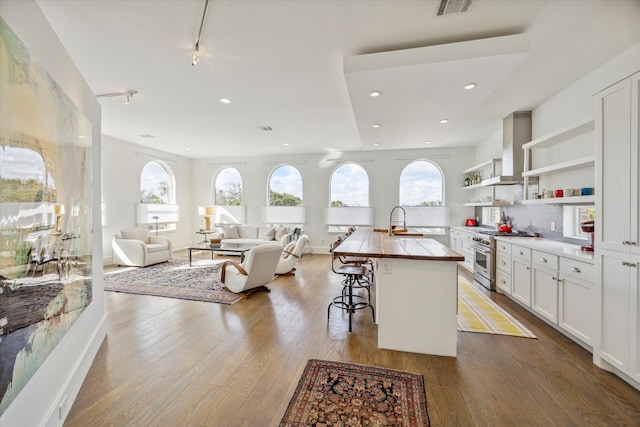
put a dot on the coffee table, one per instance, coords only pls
(223, 248)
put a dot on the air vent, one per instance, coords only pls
(145, 135)
(265, 128)
(448, 7)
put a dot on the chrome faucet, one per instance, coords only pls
(404, 219)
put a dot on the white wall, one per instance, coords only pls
(64, 370)
(575, 103)
(122, 164)
(383, 167)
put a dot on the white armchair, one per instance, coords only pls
(291, 254)
(137, 248)
(257, 269)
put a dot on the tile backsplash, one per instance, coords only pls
(536, 218)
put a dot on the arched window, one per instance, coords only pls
(349, 186)
(285, 187)
(156, 184)
(228, 188)
(157, 209)
(421, 184)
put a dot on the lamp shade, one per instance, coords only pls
(427, 216)
(58, 209)
(283, 214)
(165, 213)
(349, 215)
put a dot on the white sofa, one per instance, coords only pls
(253, 234)
(136, 247)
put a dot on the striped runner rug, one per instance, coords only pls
(477, 313)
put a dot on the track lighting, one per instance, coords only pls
(127, 95)
(196, 51)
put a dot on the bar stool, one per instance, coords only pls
(355, 278)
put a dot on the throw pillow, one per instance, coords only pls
(247, 231)
(230, 232)
(267, 233)
(280, 232)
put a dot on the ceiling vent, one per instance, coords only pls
(265, 128)
(449, 7)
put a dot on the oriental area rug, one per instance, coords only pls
(346, 394)
(477, 313)
(173, 279)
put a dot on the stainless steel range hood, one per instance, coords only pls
(516, 131)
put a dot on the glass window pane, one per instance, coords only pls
(155, 184)
(228, 188)
(285, 187)
(349, 186)
(421, 184)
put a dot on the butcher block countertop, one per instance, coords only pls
(374, 244)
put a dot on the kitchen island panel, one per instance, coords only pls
(416, 306)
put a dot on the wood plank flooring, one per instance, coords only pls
(169, 362)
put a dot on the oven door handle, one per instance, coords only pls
(481, 249)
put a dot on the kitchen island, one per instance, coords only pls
(416, 290)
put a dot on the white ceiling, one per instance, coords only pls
(305, 68)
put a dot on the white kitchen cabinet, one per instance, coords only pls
(618, 201)
(503, 267)
(544, 285)
(521, 274)
(617, 227)
(576, 299)
(620, 321)
(461, 242)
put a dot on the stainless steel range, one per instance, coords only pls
(484, 259)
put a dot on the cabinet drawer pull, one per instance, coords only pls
(528, 268)
(575, 270)
(629, 264)
(503, 263)
(554, 278)
(521, 253)
(543, 260)
(502, 247)
(629, 242)
(504, 282)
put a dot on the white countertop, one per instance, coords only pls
(469, 229)
(555, 247)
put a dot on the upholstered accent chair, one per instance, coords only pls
(257, 269)
(291, 254)
(138, 248)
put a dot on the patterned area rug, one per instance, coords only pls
(173, 279)
(477, 313)
(346, 394)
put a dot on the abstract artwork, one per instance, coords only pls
(45, 215)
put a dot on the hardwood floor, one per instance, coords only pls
(169, 362)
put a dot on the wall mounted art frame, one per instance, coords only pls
(45, 215)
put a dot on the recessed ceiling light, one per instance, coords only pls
(375, 93)
(469, 86)
(427, 142)
(376, 144)
(286, 144)
(376, 126)
(444, 121)
(188, 149)
(225, 100)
